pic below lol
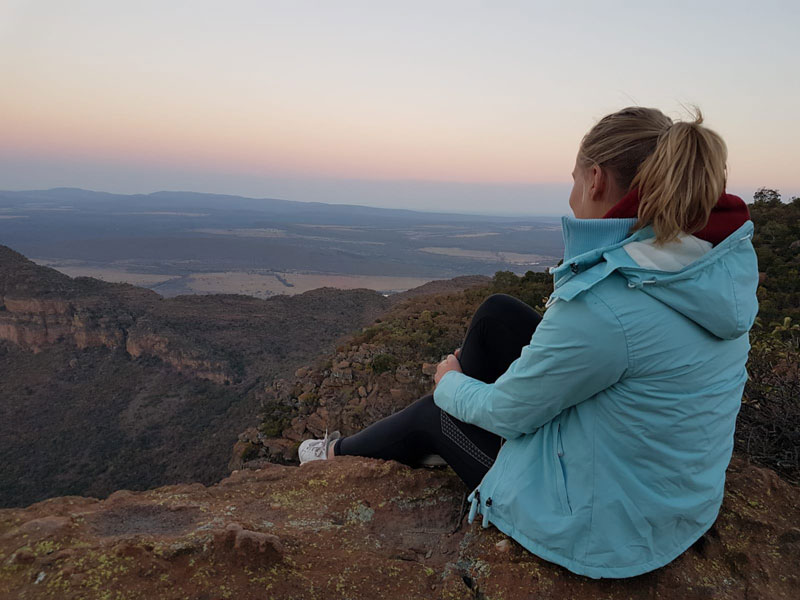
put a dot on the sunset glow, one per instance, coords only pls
(253, 97)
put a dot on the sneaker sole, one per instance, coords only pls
(432, 460)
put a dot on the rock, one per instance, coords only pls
(37, 529)
(290, 434)
(242, 452)
(362, 391)
(278, 448)
(344, 375)
(403, 375)
(400, 532)
(248, 547)
(249, 435)
(119, 496)
(315, 424)
(301, 372)
(23, 557)
(429, 369)
(307, 397)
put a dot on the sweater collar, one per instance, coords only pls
(584, 235)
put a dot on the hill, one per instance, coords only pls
(106, 386)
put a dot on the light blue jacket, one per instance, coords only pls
(619, 414)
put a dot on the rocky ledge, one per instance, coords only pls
(361, 528)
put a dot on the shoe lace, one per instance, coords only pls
(320, 449)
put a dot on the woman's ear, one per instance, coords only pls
(597, 183)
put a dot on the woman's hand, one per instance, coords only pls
(448, 364)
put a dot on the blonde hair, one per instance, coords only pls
(678, 168)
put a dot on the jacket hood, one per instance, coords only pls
(717, 291)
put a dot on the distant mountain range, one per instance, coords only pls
(183, 242)
(274, 206)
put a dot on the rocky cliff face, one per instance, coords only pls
(35, 324)
(105, 386)
(362, 528)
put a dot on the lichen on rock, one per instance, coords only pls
(361, 528)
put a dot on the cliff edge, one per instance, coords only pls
(361, 528)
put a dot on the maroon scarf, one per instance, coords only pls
(727, 216)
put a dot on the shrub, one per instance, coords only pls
(384, 362)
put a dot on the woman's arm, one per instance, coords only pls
(578, 349)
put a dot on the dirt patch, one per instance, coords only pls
(511, 258)
(143, 519)
(264, 285)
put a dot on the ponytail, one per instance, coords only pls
(678, 168)
(681, 181)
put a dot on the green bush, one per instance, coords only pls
(384, 362)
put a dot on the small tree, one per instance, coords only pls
(767, 197)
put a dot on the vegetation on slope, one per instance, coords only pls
(768, 429)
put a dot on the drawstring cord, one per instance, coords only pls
(475, 502)
(473, 507)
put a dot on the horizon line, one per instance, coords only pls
(552, 215)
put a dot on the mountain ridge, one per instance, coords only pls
(193, 197)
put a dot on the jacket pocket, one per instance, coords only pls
(560, 471)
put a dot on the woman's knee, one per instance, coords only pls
(504, 306)
(424, 407)
(418, 415)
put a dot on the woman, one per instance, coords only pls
(618, 413)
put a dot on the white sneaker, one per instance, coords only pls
(432, 460)
(316, 449)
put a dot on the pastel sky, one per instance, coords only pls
(436, 105)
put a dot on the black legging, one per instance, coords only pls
(500, 328)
